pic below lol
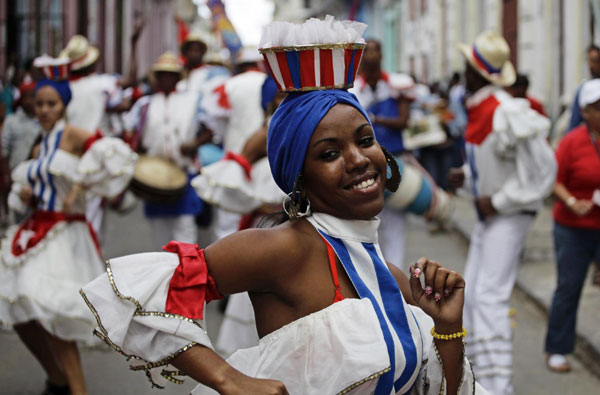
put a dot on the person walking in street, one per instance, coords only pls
(168, 125)
(47, 258)
(199, 76)
(576, 224)
(593, 61)
(19, 131)
(508, 172)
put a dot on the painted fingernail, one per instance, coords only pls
(428, 290)
(437, 296)
(446, 293)
(417, 272)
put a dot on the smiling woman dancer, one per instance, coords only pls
(332, 316)
(54, 252)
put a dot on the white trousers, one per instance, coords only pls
(181, 228)
(494, 254)
(392, 235)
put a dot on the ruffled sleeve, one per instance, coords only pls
(131, 305)
(106, 167)
(234, 186)
(521, 136)
(430, 380)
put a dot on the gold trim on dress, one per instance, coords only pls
(147, 366)
(361, 382)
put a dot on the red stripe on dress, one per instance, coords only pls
(326, 61)
(307, 68)
(285, 71)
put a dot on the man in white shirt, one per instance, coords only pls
(509, 171)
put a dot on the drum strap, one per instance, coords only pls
(137, 137)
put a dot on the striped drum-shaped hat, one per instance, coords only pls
(54, 68)
(314, 67)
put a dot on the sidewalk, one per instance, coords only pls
(537, 279)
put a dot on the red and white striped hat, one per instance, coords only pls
(315, 55)
(314, 67)
(53, 68)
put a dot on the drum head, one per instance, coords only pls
(157, 179)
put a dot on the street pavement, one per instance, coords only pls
(107, 372)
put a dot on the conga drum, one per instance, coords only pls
(418, 194)
(157, 180)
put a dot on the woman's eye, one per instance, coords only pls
(329, 155)
(366, 141)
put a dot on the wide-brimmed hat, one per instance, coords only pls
(193, 37)
(490, 56)
(167, 62)
(81, 53)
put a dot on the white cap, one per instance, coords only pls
(589, 93)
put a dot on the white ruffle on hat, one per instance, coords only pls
(56, 69)
(490, 55)
(315, 55)
(80, 52)
(589, 93)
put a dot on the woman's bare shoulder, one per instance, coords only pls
(287, 241)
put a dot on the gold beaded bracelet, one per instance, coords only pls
(451, 336)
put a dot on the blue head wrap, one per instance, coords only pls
(292, 127)
(62, 87)
(268, 92)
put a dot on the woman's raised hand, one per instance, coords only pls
(442, 298)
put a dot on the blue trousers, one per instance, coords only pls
(575, 249)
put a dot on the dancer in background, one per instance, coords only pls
(54, 252)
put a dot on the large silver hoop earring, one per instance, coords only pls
(295, 205)
(293, 208)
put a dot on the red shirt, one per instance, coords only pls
(579, 172)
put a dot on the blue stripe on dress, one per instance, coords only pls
(43, 151)
(50, 179)
(396, 313)
(293, 61)
(386, 381)
(31, 182)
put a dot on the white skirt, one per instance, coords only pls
(43, 283)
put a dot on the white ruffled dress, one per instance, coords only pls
(370, 345)
(45, 261)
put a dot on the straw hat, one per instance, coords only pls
(81, 53)
(167, 62)
(490, 55)
(193, 37)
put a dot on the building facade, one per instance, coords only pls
(29, 28)
(548, 39)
